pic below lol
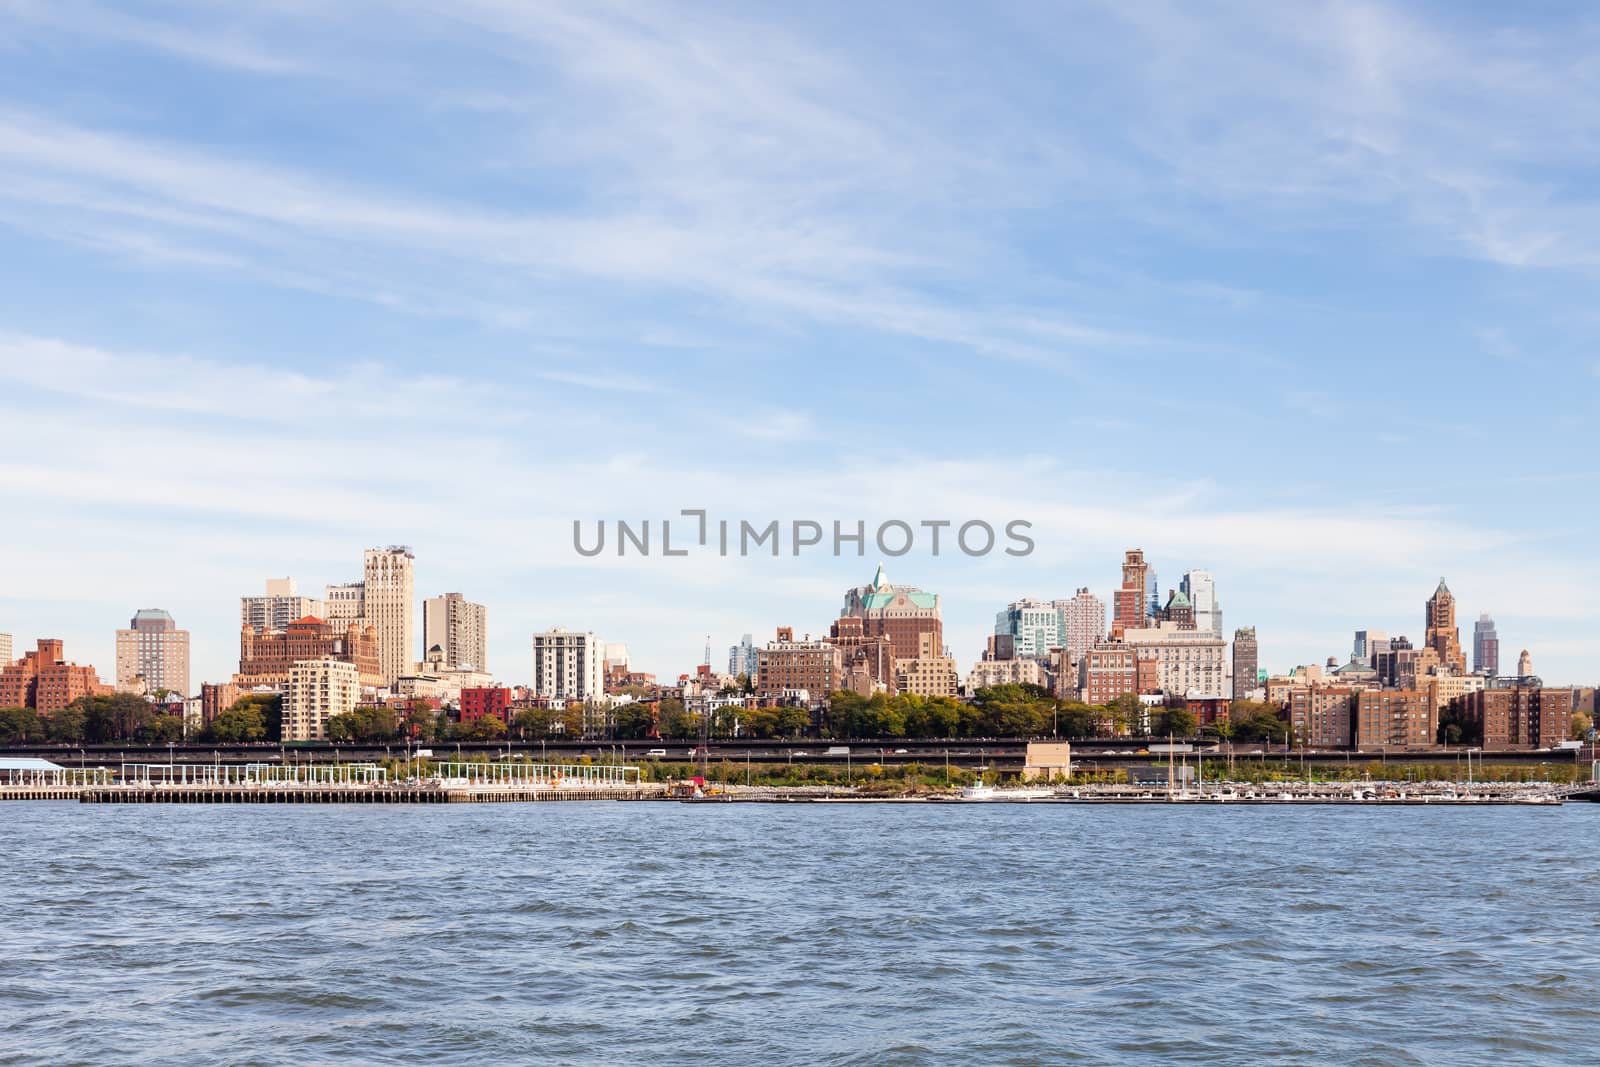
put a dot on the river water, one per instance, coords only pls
(803, 934)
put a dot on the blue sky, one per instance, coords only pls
(1300, 294)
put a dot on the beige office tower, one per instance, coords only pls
(389, 606)
(459, 629)
(153, 654)
(5, 650)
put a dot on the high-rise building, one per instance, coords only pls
(317, 690)
(1520, 715)
(44, 681)
(1178, 611)
(1402, 717)
(459, 629)
(5, 651)
(787, 666)
(1129, 610)
(900, 612)
(153, 654)
(1034, 625)
(569, 666)
(1107, 671)
(267, 656)
(387, 589)
(344, 603)
(1201, 590)
(1321, 716)
(1189, 663)
(280, 606)
(930, 673)
(1525, 665)
(1246, 661)
(868, 662)
(744, 658)
(1443, 636)
(1485, 647)
(1367, 645)
(1083, 622)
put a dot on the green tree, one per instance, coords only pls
(676, 722)
(486, 728)
(67, 724)
(242, 723)
(1175, 722)
(1126, 714)
(1582, 723)
(20, 724)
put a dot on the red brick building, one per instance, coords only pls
(1505, 718)
(44, 681)
(1404, 718)
(1109, 670)
(477, 702)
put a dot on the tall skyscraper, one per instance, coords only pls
(1525, 665)
(5, 651)
(387, 592)
(1443, 636)
(1368, 644)
(458, 628)
(1246, 657)
(900, 612)
(1485, 647)
(279, 607)
(153, 652)
(1129, 609)
(743, 657)
(1083, 622)
(1033, 625)
(1201, 590)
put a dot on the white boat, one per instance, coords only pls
(994, 793)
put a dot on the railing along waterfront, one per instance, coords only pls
(537, 775)
(274, 775)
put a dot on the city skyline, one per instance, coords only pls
(521, 672)
(333, 300)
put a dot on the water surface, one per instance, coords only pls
(805, 934)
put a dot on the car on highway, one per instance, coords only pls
(656, 753)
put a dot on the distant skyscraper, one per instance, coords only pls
(279, 607)
(459, 628)
(1443, 636)
(1129, 607)
(744, 658)
(387, 590)
(898, 612)
(5, 651)
(155, 651)
(1201, 590)
(1368, 644)
(1485, 647)
(1525, 665)
(1033, 625)
(1083, 622)
(1246, 656)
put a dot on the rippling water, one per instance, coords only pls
(838, 934)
